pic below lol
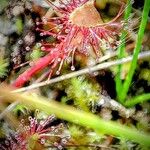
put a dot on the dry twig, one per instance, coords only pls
(101, 66)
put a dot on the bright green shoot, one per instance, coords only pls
(137, 99)
(125, 87)
(78, 117)
(121, 50)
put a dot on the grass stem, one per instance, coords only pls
(121, 50)
(138, 99)
(138, 45)
(77, 116)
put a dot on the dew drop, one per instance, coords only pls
(37, 23)
(37, 111)
(59, 147)
(43, 48)
(72, 68)
(132, 1)
(27, 48)
(129, 20)
(59, 59)
(61, 125)
(67, 30)
(113, 33)
(88, 47)
(30, 118)
(64, 141)
(95, 73)
(42, 141)
(57, 72)
(52, 128)
(41, 34)
(61, 26)
(22, 121)
(44, 20)
(38, 44)
(55, 144)
(20, 42)
(16, 135)
(54, 36)
(118, 43)
(107, 46)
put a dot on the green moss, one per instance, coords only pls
(83, 92)
(145, 74)
(19, 25)
(3, 67)
(36, 53)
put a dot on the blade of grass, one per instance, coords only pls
(77, 116)
(121, 50)
(138, 44)
(138, 99)
(8, 116)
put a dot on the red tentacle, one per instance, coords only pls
(39, 65)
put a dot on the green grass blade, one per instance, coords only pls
(138, 99)
(78, 117)
(121, 50)
(140, 36)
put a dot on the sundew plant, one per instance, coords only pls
(74, 74)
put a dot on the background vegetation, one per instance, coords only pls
(102, 105)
